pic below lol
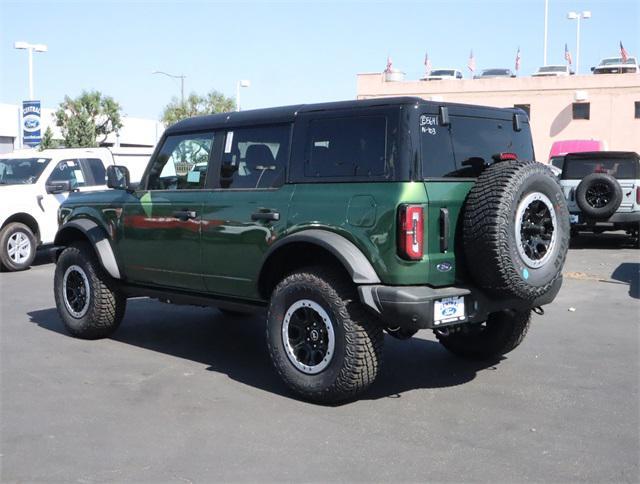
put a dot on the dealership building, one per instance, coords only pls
(602, 107)
(135, 132)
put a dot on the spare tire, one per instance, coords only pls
(598, 195)
(516, 230)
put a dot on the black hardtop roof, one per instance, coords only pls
(591, 155)
(284, 114)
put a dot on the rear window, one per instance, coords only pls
(468, 144)
(620, 168)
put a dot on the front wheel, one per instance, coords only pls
(17, 247)
(322, 342)
(88, 302)
(500, 334)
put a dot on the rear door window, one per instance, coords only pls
(255, 158)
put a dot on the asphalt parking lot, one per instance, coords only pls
(184, 394)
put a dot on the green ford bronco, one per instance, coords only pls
(339, 221)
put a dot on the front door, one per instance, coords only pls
(246, 211)
(162, 223)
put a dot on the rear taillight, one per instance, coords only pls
(638, 195)
(411, 232)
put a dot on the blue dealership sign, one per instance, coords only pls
(31, 133)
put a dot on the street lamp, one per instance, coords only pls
(30, 48)
(173, 76)
(243, 83)
(578, 16)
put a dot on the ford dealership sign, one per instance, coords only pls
(31, 134)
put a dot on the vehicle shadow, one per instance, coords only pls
(236, 346)
(616, 240)
(629, 273)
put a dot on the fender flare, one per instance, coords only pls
(99, 240)
(352, 258)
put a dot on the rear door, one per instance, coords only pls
(162, 225)
(246, 211)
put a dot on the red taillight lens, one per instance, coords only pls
(411, 232)
(638, 195)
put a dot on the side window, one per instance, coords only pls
(255, 157)
(181, 163)
(96, 173)
(69, 170)
(346, 147)
(437, 152)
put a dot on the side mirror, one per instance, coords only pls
(118, 177)
(592, 69)
(55, 187)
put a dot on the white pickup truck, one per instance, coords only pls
(34, 183)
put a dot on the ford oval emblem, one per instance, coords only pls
(450, 311)
(444, 267)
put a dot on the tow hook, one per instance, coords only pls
(538, 310)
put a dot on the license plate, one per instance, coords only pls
(448, 310)
(574, 218)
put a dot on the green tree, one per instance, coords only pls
(48, 141)
(87, 120)
(196, 105)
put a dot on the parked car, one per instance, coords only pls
(615, 65)
(443, 74)
(561, 148)
(340, 221)
(603, 191)
(492, 73)
(553, 71)
(33, 184)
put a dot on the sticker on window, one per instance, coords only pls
(193, 176)
(229, 142)
(428, 124)
(79, 176)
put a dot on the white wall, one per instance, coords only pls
(135, 131)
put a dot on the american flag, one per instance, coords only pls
(567, 54)
(472, 62)
(427, 64)
(623, 53)
(518, 59)
(389, 65)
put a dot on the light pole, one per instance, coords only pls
(546, 30)
(173, 76)
(239, 84)
(30, 48)
(578, 16)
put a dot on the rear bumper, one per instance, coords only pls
(412, 307)
(618, 218)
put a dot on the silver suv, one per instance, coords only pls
(603, 191)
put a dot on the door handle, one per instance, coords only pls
(185, 215)
(265, 215)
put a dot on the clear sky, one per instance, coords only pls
(292, 52)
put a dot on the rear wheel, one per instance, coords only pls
(17, 247)
(501, 333)
(322, 341)
(87, 299)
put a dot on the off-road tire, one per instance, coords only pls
(489, 230)
(499, 335)
(357, 356)
(106, 305)
(11, 230)
(615, 194)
